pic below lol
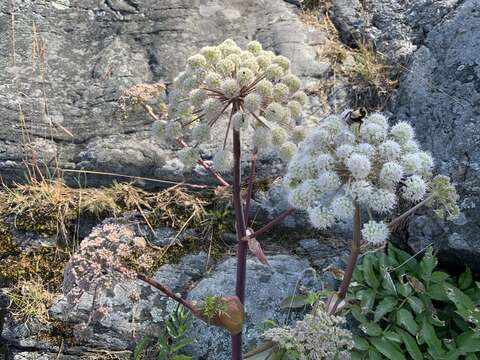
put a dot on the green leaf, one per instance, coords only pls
(439, 276)
(465, 279)
(428, 263)
(416, 304)
(471, 357)
(392, 336)
(387, 348)
(367, 299)
(469, 342)
(355, 355)
(374, 354)
(182, 357)
(411, 345)
(360, 343)
(384, 307)
(371, 329)
(369, 274)
(405, 319)
(430, 337)
(460, 300)
(387, 282)
(437, 292)
(358, 315)
(404, 289)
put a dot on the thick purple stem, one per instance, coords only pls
(251, 180)
(242, 246)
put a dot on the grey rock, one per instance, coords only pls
(128, 321)
(440, 95)
(396, 28)
(266, 288)
(349, 20)
(94, 50)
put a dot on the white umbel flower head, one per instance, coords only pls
(365, 149)
(262, 138)
(298, 134)
(373, 133)
(254, 47)
(360, 190)
(377, 118)
(324, 162)
(382, 201)
(292, 82)
(375, 233)
(265, 88)
(239, 121)
(298, 198)
(173, 130)
(229, 87)
(275, 112)
(414, 188)
(342, 207)
(279, 136)
(212, 54)
(402, 132)
(245, 76)
(391, 174)
(359, 166)
(282, 61)
(389, 150)
(329, 181)
(426, 162)
(410, 147)
(201, 133)
(223, 160)
(280, 92)
(274, 72)
(213, 80)
(320, 217)
(252, 102)
(300, 96)
(344, 151)
(412, 163)
(287, 150)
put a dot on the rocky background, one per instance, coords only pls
(66, 63)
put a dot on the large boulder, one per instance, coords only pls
(266, 288)
(72, 59)
(440, 93)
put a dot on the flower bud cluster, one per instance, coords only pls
(372, 164)
(239, 89)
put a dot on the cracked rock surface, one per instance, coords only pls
(71, 60)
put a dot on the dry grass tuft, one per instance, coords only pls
(30, 300)
(143, 95)
(51, 207)
(365, 75)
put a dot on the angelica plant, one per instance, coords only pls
(252, 94)
(342, 168)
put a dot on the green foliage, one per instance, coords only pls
(171, 342)
(212, 306)
(408, 309)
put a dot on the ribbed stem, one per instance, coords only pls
(241, 245)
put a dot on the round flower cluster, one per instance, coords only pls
(371, 164)
(240, 89)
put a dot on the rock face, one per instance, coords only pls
(396, 28)
(266, 288)
(441, 95)
(57, 100)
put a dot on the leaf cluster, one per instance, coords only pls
(408, 309)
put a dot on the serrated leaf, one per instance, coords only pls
(387, 348)
(360, 343)
(385, 306)
(416, 304)
(465, 279)
(405, 319)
